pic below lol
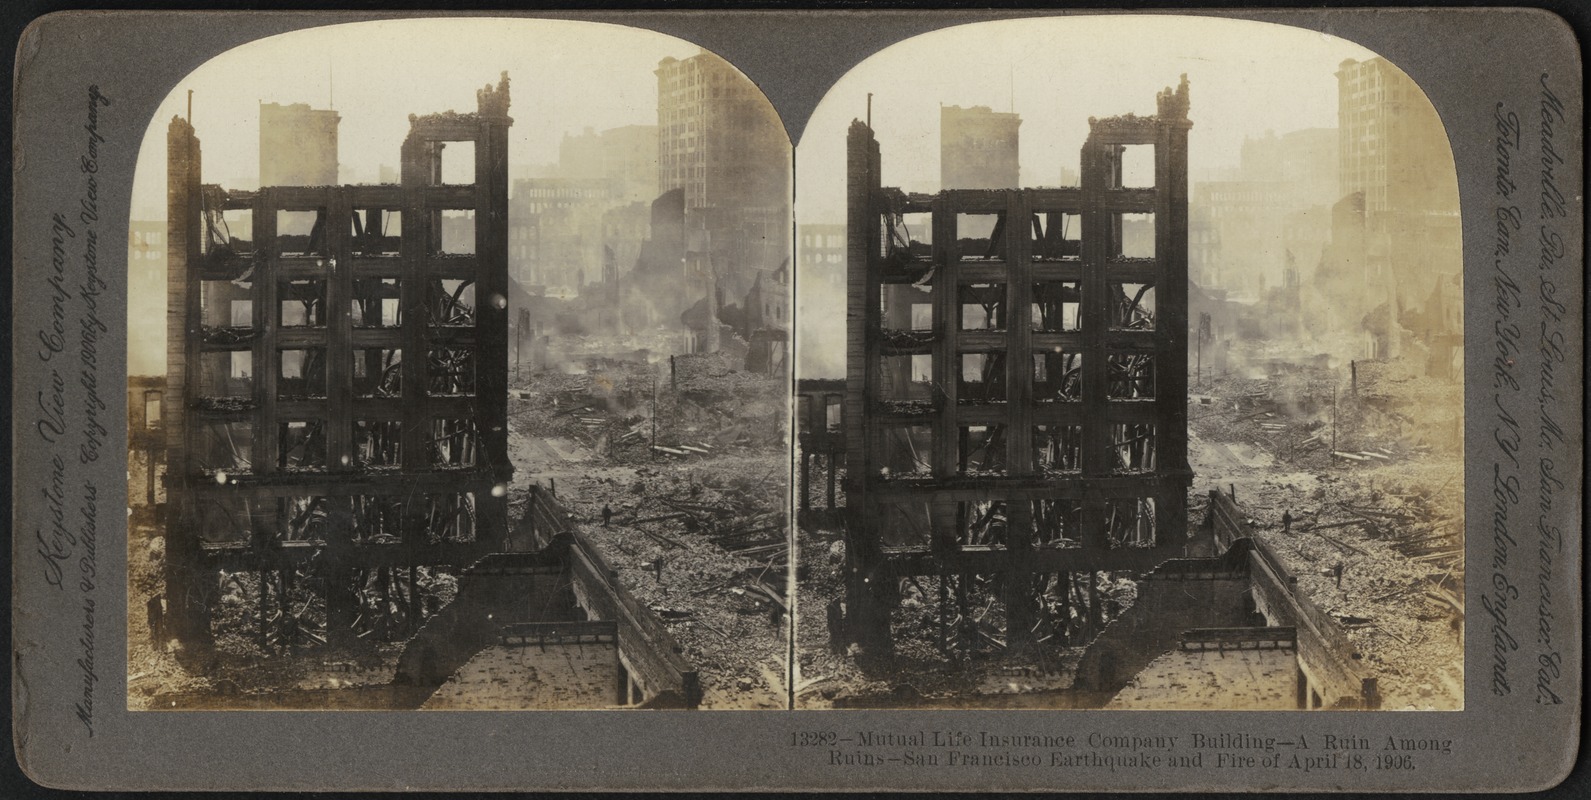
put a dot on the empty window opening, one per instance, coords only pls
(1130, 522)
(454, 443)
(226, 380)
(981, 523)
(450, 517)
(301, 445)
(982, 306)
(1135, 166)
(224, 519)
(834, 412)
(1056, 236)
(302, 375)
(242, 313)
(981, 237)
(1058, 523)
(981, 450)
(457, 233)
(906, 238)
(904, 525)
(303, 304)
(378, 373)
(1131, 376)
(1057, 376)
(378, 520)
(375, 232)
(1057, 306)
(906, 378)
(1058, 448)
(904, 307)
(378, 443)
(301, 233)
(1133, 446)
(982, 378)
(1132, 306)
(451, 303)
(907, 451)
(228, 235)
(219, 303)
(1135, 235)
(458, 162)
(377, 303)
(451, 371)
(225, 447)
(301, 518)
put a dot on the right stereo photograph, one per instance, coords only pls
(1148, 392)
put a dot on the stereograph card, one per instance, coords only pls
(838, 400)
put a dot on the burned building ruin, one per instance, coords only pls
(336, 386)
(1016, 402)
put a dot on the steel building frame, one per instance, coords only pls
(1033, 439)
(371, 437)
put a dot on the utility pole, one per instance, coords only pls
(654, 410)
(1334, 417)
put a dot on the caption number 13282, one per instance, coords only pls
(813, 738)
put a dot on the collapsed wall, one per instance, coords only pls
(1178, 596)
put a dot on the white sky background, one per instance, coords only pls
(1245, 78)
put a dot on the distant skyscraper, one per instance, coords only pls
(721, 142)
(978, 148)
(1394, 153)
(298, 145)
(1392, 145)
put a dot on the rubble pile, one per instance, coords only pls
(633, 412)
(1384, 508)
(972, 669)
(696, 501)
(236, 667)
(703, 545)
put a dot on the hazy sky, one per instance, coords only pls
(1245, 78)
(564, 76)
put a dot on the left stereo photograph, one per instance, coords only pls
(473, 384)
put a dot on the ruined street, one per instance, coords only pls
(697, 530)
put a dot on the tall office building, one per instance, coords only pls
(720, 141)
(978, 148)
(298, 145)
(1391, 143)
(1393, 152)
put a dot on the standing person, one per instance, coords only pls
(607, 515)
(1287, 521)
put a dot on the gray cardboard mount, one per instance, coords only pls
(1472, 63)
